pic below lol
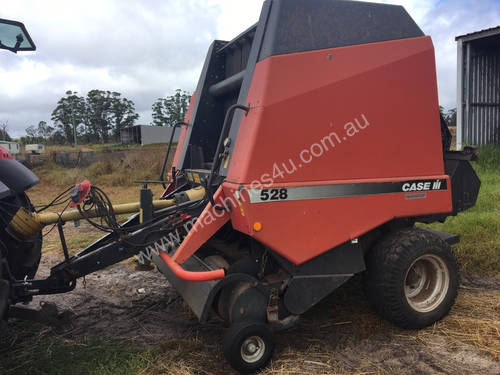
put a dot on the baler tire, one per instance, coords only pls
(248, 346)
(411, 278)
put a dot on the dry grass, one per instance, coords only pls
(183, 357)
(143, 164)
(475, 320)
(99, 147)
(339, 336)
(355, 341)
(116, 179)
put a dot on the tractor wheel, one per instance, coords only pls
(248, 346)
(411, 278)
(23, 257)
(5, 279)
(4, 289)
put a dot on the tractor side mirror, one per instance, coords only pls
(14, 37)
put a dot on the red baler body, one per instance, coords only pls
(387, 92)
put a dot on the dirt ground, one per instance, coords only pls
(339, 336)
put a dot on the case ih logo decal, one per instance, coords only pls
(297, 193)
(427, 185)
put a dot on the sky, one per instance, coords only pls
(147, 49)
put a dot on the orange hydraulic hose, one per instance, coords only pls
(189, 275)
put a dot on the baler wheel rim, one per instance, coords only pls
(426, 283)
(248, 346)
(253, 349)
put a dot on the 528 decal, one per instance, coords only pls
(273, 194)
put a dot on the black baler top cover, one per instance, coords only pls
(305, 25)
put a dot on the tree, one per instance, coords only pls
(31, 134)
(172, 109)
(123, 111)
(97, 117)
(40, 134)
(70, 108)
(108, 113)
(99, 104)
(44, 131)
(56, 138)
(451, 117)
(441, 111)
(4, 126)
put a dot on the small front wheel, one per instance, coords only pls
(248, 346)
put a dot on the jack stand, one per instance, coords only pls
(145, 215)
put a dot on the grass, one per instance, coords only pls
(59, 356)
(116, 177)
(100, 147)
(339, 336)
(479, 227)
(474, 320)
(136, 165)
(75, 242)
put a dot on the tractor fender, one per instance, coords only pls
(15, 178)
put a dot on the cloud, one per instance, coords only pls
(144, 50)
(147, 49)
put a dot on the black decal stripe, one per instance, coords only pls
(297, 193)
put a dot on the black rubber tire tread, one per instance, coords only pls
(233, 339)
(23, 258)
(4, 292)
(386, 267)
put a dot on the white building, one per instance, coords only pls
(12, 147)
(34, 149)
(148, 135)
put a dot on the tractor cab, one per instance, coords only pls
(14, 37)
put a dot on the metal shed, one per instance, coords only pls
(478, 88)
(147, 134)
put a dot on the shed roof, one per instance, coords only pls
(479, 34)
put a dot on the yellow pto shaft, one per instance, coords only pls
(25, 224)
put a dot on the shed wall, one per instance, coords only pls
(157, 134)
(479, 95)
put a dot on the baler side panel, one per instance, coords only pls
(392, 84)
(292, 26)
(300, 230)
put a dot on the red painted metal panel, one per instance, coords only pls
(207, 224)
(299, 100)
(303, 229)
(5, 154)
